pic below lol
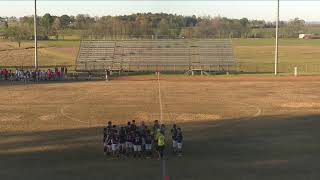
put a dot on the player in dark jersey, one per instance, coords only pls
(143, 133)
(179, 139)
(122, 140)
(133, 126)
(137, 144)
(107, 145)
(163, 129)
(104, 134)
(148, 145)
(114, 144)
(114, 129)
(156, 126)
(128, 128)
(174, 132)
(129, 143)
(108, 130)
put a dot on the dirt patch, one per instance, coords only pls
(212, 78)
(301, 105)
(10, 118)
(178, 117)
(48, 117)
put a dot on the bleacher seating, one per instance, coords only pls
(152, 55)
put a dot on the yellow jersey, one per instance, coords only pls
(161, 140)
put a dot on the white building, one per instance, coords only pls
(305, 36)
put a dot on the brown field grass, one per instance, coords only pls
(251, 54)
(50, 53)
(234, 129)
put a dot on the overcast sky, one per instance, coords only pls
(307, 10)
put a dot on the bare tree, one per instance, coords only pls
(19, 33)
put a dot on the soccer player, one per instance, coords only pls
(106, 74)
(107, 145)
(143, 133)
(179, 141)
(108, 129)
(129, 143)
(174, 132)
(148, 146)
(114, 144)
(156, 126)
(133, 125)
(142, 128)
(155, 129)
(122, 140)
(128, 127)
(161, 145)
(114, 129)
(156, 138)
(137, 145)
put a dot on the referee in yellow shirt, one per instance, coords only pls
(161, 145)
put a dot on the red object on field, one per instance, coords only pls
(166, 178)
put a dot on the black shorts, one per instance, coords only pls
(160, 148)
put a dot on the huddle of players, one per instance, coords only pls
(137, 141)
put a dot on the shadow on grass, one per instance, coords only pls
(270, 147)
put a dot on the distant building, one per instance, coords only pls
(306, 36)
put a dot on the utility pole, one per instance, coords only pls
(35, 37)
(276, 59)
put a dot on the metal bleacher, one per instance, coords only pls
(156, 55)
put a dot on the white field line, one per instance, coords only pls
(63, 113)
(70, 117)
(163, 161)
(256, 114)
(160, 99)
(258, 109)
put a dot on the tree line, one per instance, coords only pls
(146, 25)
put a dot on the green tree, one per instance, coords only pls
(164, 27)
(244, 22)
(46, 23)
(65, 21)
(83, 21)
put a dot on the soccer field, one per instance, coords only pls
(234, 128)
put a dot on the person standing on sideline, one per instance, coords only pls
(62, 73)
(66, 73)
(107, 74)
